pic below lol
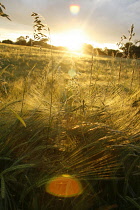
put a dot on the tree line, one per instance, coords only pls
(26, 41)
(127, 48)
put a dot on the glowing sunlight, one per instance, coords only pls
(73, 39)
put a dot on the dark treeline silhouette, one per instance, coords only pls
(128, 49)
(134, 50)
(26, 41)
(89, 49)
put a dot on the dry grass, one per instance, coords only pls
(79, 120)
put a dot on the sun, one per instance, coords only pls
(75, 39)
(72, 39)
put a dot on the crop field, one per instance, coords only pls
(72, 114)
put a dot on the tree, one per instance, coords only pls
(43, 42)
(2, 14)
(135, 51)
(21, 40)
(30, 42)
(127, 47)
(131, 50)
(87, 48)
(7, 41)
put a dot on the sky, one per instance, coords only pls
(97, 22)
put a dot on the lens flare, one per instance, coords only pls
(64, 186)
(74, 9)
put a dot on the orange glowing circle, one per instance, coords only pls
(74, 9)
(64, 186)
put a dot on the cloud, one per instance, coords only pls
(104, 20)
(111, 19)
(134, 8)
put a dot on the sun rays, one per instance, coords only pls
(71, 39)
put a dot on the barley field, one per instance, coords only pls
(64, 113)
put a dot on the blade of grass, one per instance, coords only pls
(19, 118)
(136, 205)
(2, 187)
(12, 168)
(128, 174)
(3, 70)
